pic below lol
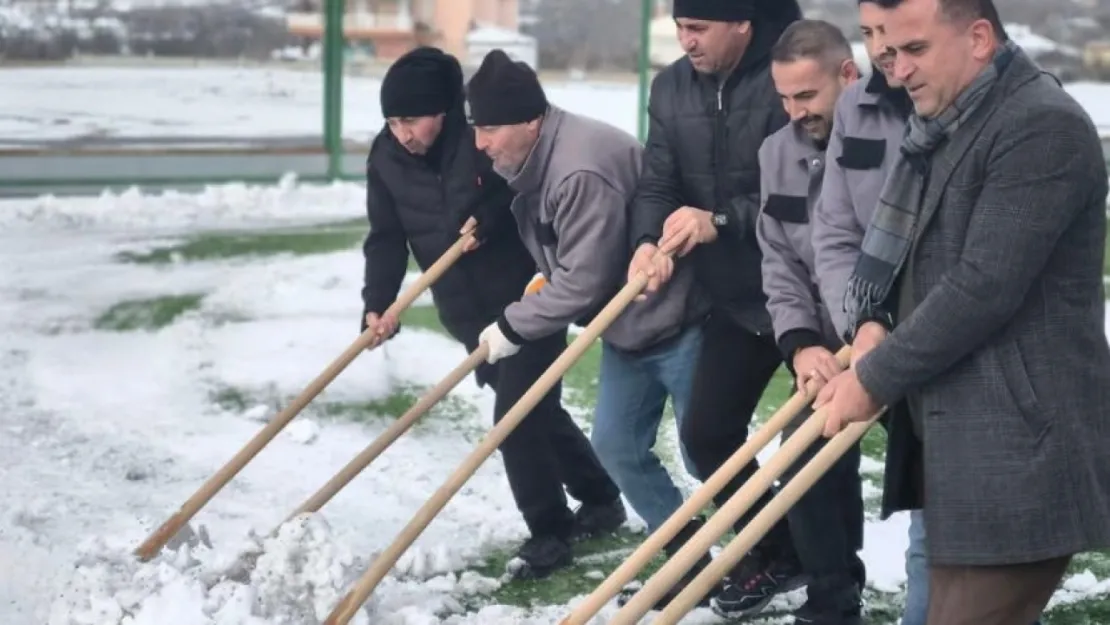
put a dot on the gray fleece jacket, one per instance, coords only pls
(572, 212)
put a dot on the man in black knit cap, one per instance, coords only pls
(426, 183)
(699, 197)
(575, 177)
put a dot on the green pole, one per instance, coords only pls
(333, 86)
(647, 10)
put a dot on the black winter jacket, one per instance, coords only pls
(702, 151)
(421, 202)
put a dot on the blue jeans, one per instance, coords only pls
(632, 392)
(917, 574)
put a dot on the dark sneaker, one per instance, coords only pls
(631, 589)
(540, 556)
(753, 584)
(672, 548)
(831, 603)
(592, 520)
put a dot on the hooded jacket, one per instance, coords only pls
(702, 151)
(420, 203)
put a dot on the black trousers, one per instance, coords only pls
(547, 451)
(827, 522)
(733, 371)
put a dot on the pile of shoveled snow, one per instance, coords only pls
(300, 574)
(295, 577)
(216, 206)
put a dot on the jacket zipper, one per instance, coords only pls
(719, 152)
(476, 293)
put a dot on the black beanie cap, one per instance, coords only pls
(716, 10)
(504, 92)
(424, 81)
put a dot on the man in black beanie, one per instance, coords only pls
(699, 197)
(575, 177)
(427, 183)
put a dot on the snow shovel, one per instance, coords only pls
(701, 497)
(158, 539)
(392, 433)
(352, 602)
(792, 448)
(761, 524)
(401, 425)
(241, 568)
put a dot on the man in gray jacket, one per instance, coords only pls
(811, 64)
(868, 127)
(867, 130)
(982, 267)
(574, 177)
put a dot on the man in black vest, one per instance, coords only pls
(426, 182)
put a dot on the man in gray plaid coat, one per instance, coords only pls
(978, 308)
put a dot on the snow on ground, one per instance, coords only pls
(226, 206)
(74, 102)
(106, 433)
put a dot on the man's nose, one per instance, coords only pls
(796, 111)
(903, 68)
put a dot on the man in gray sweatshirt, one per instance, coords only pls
(811, 64)
(575, 177)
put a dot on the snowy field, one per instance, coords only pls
(73, 102)
(109, 421)
(145, 339)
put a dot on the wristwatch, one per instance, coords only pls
(720, 219)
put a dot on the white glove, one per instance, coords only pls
(499, 345)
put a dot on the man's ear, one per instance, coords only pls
(849, 72)
(984, 41)
(744, 27)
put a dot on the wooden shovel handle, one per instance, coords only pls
(697, 502)
(392, 433)
(755, 530)
(158, 539)
(350, 604)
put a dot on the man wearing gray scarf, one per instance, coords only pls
(978, 308)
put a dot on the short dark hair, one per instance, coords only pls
(961, 11)
(812, 39)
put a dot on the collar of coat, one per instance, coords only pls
(534, 170)
(878, 92)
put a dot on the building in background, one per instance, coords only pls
(389, 28)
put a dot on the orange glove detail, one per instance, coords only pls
(535, 284)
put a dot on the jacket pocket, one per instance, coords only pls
(787, 208)
(859, 153)
(1021, 389)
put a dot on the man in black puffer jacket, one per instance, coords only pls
(699, 195)
(426, 180)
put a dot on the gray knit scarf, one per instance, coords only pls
(889, 237)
